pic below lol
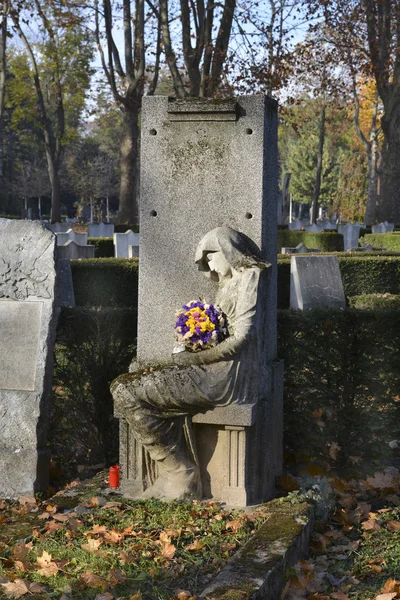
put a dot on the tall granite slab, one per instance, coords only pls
(315, 282)
(28, 316)
(207, 164)
(101, 230)
(204, 164)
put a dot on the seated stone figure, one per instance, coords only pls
(156, 403)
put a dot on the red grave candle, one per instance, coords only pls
(114, 476)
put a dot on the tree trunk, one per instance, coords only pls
(129, 166)
(318, 177)
(3, 43)
(372, 199)
(55, 216)
(389, 209)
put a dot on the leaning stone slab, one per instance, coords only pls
(315, 282)
(258, 570)
(71, 250)
(101, 230)
(28, 317)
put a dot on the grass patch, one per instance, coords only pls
(117, 546)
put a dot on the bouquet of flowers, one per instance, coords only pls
(199, 325)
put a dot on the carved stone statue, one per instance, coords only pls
(159, 400)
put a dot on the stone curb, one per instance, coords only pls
(258, 570)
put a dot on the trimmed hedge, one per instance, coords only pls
(326, 241)
(361, 274)
(390, 241)
(342, 380)
(375, 301)
(104, 247)
(105, 282)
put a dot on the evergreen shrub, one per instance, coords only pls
(342, 381)
(389, 241)
(361, 274)
(326, 241)
(375, 301)
(103, 247)
(105, 282)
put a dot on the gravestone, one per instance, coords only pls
(297, 225)
(122, 241)
(315, 228)
(71, 250)
(384, 227)
(208, 164)
(65, 284)
(299, 249)
(315, 282)
(63, 238)
(351, 233)
(28, 317)
(57, 227)
(101, 230)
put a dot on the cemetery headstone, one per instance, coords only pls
(133, 251)
(314, 228)
(58, 227)
(63, 238)
(204, 165)
(101, 230)
(28, 317)
(384, 227)
(71, 250)
(351, 233)
(299, 249)
(315, 282)
(297, 225)
(122, 241)
(65, 285)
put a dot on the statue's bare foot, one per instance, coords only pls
(170, 486)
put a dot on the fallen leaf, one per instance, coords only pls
(339, 596)
(234, 525)
(197, 545)
(16, 589)
(113, 537)
(92, 580)
(334, 449)
(48, 567)
(112, 505)
(92, 545)
(165, 538)
(391, 585)
(168, 550)
(106, 596)
(287, 483)
(371, 525)
(393, 525)
(386, 596)
(381, 481)
(137, 596)
(61, 518)
(21, 551)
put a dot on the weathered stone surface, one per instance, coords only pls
(71, 250)
(315, 281)
(27, 330)
(196, 176)
(351, 233)
(258, 570)
(101, 230)
(122, 241)
(58, 227)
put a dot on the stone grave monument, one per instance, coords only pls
(315, 282)
(122, 241)
(351, 233)
(28, 318)
(101, 230)
(208, 168)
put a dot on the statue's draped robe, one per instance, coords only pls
(155, 404)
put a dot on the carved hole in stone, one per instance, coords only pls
(153, 213)
(153, 131)
(249, 131)
(248, 215)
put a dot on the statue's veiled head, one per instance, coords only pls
(238, 250)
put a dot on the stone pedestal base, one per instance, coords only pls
(239, 450)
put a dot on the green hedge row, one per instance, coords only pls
(389, 241)
(104, 247)
(105, 282)
(114, 281)
(325, 241)
(342, 380)
(375, 301)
